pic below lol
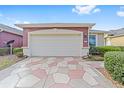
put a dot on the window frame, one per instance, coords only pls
(95, 39)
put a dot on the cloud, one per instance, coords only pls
(120, 13)
(21, 22)
(85, 9)
(26, 22)
(96, 10)
(17, 21)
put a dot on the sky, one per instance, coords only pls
(106, 17)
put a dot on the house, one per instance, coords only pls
(56, 39)
(115, 37)
(8, 33)
(60, 39)
(96, 37)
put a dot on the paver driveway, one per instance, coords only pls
(53, 72)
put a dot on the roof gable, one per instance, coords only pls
(10, 29)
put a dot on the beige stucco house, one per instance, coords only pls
(66, 39)
(115, 38)
(96, 37)
(60, 39)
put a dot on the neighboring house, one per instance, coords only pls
(56, 39)
(115, 37)
(96, 38)
(8, 33)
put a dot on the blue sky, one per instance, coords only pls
(106, 17)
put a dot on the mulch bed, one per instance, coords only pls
(94, 58)
(108, 76)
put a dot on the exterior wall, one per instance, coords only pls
(99, 39)
(26, 51)
(0, 40)
(117, 41)
(108, 41)
(85, 51)
(81, 29)
(5, 37)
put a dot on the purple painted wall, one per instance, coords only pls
(6, 36)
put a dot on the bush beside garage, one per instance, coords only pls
(114, 64)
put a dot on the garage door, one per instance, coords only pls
(55, 44)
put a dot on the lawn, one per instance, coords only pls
(6, 61)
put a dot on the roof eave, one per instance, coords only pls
(56, 25)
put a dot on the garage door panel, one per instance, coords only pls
(49, 40)
(55, 45)
(56, 53)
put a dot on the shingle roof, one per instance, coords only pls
(10, 29)
(117, 32)
(98, 31)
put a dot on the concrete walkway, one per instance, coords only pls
(53, 72)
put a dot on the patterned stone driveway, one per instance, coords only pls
(53, 72)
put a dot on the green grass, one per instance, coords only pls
(6, 63)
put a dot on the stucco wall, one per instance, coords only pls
(5, 37)
(100, 39)
(117, 41)
(82, 29)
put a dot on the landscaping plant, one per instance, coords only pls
(114, 63)
(101, 50)
(18, 52)
(4, 51)
(15, 50)
(5, 63)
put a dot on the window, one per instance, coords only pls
(92, 40)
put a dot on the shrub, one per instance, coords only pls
(114, 63)
(19, 54)
(121, 47)
(4, 51)
(103, 49)
(93, 51)
(16, 50)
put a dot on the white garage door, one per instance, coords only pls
(55, 45)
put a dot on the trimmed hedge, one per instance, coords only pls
(114, 63)
(16, 50)
(121, 47)
(103, 49)
(4, 51)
